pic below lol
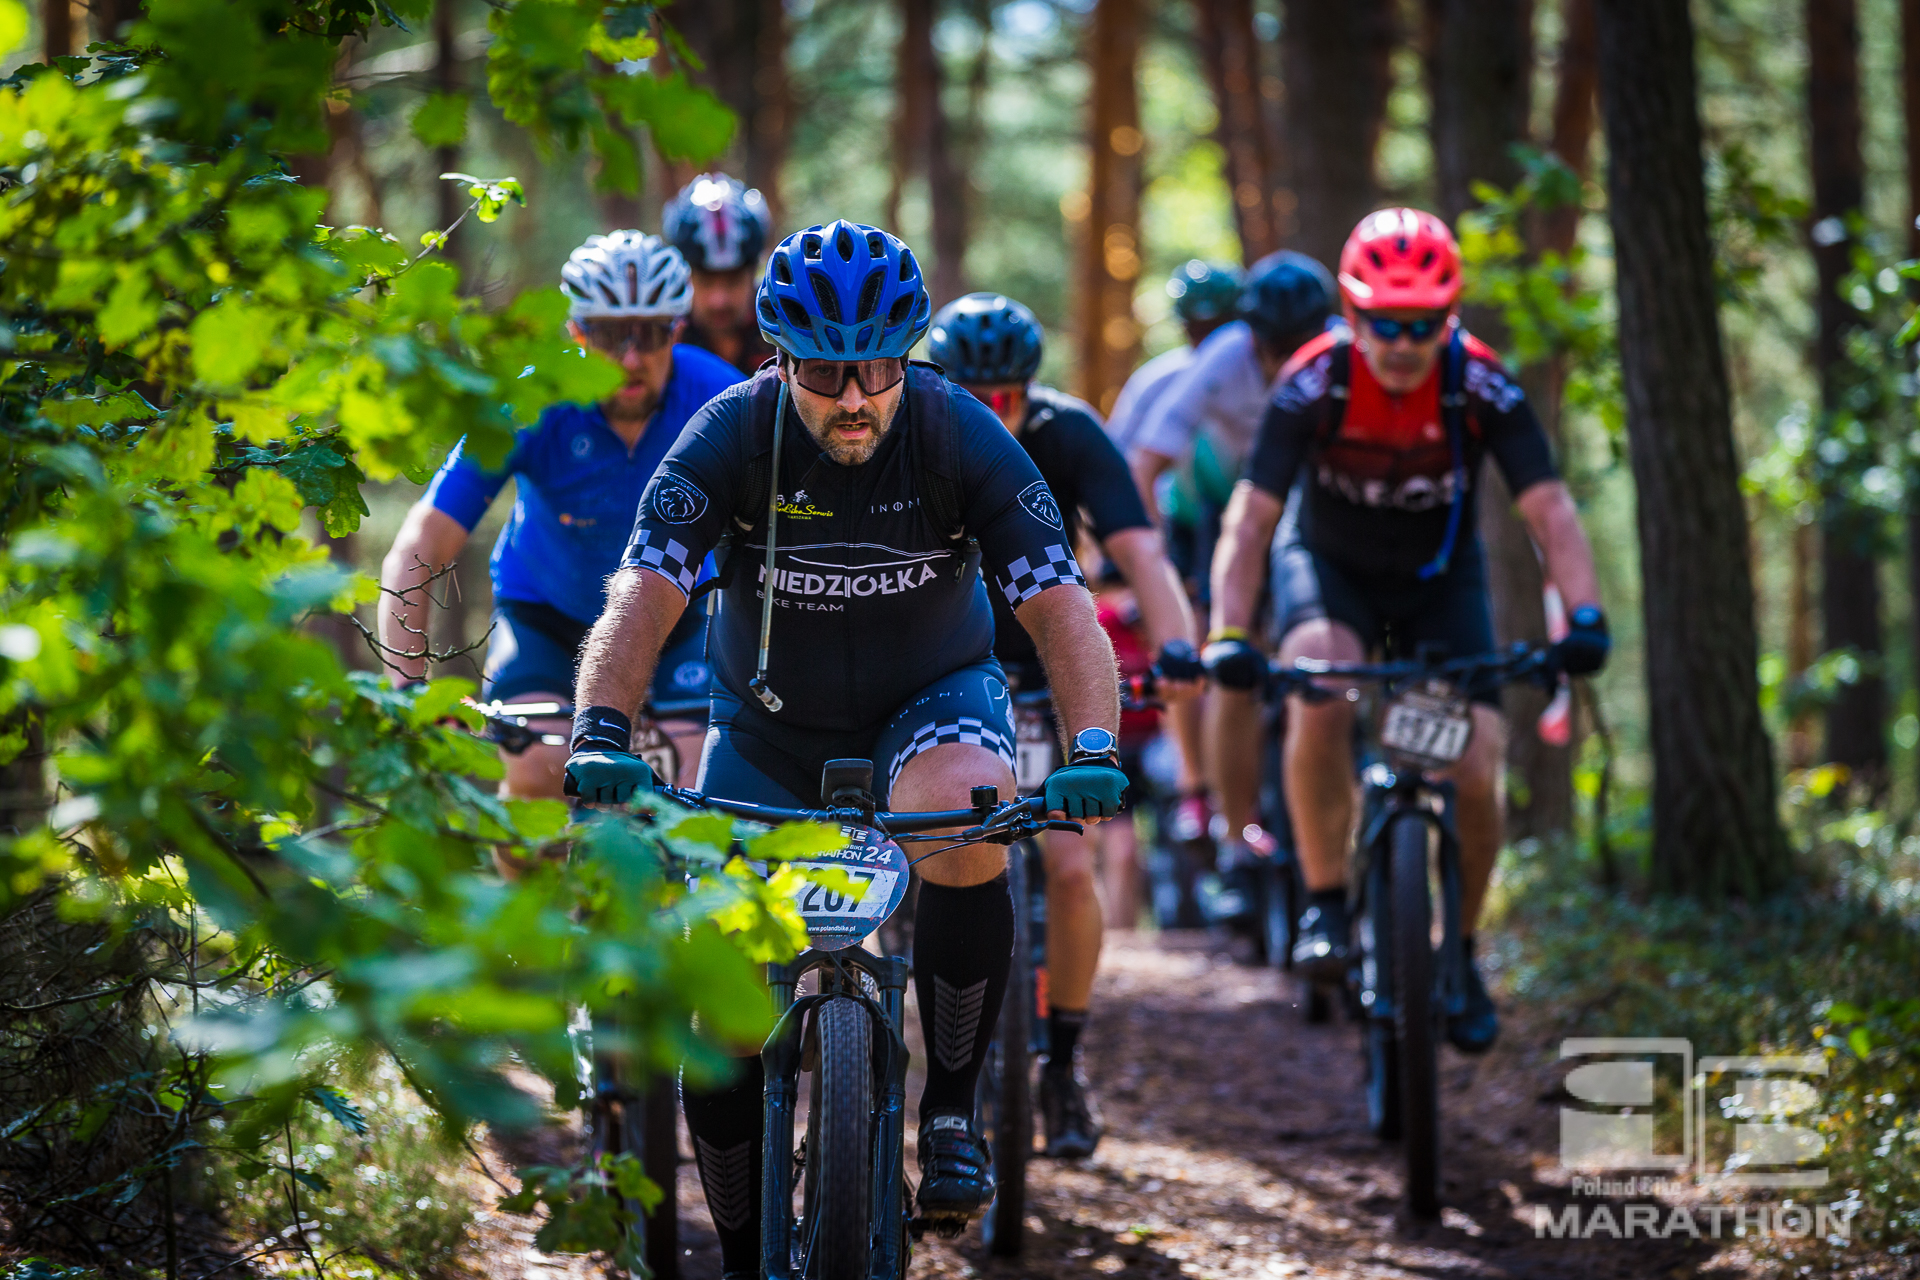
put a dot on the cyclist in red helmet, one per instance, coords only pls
(1384, 428)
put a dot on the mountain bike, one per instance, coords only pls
(1408, 976)
(637, 1116)
(856, 1220)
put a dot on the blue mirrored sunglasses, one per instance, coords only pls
(1419, 330)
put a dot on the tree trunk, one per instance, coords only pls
(1849, 579)
(744, 46)
(1479, 61)
(449, 199)
(1715, 830)
(56, 26)
(922, 143)
(1231, 53)
(1110, 255)
(112, 17)
(1910, 100)
(1335, 59)
(1573, 106)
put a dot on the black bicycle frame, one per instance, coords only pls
(840, 973)
(1397, 797)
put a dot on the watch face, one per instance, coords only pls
(1095, 742)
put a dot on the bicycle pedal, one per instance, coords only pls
(947, 1226)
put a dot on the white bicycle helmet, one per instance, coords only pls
(627, 273)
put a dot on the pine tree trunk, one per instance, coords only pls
(1480, 60)
(1715, 831)
(744, 46)
(1910, 101)
(1109, 337)
(922, 142)
(1230, 51)
(56, 28)
(450, 198)
(1849, 577)
(1335, 59)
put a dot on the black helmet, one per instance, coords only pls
(1204, 291)
(717, 223)
(984, 339)
(1287, 295)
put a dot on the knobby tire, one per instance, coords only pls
(839, 1192)
(1415, 1015)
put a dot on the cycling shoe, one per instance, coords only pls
(1320, 941)
(1477, 1025)
(956, 1172)
(1066, 1107)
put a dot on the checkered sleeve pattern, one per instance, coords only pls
(1023, 579)
(666, 556)
(968, 729)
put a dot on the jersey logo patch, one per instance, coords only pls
(678, 501)
(582, 446)
(1038, 500)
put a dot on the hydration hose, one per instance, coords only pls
(758, 684)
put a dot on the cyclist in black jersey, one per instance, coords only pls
(883, 479)
(992, 345)
(720, 225)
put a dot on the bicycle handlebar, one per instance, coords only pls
(1521, 662)
(1003, 825)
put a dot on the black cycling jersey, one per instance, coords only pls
(1380, 468)
(871, 604)
(1089, 480)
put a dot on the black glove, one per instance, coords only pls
(606, 777)
(1177, 661)
(1585, 649)
(1233, 663)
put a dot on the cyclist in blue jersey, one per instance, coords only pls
(578, 475)
(720, 226)
(992, 345)
(892, 490)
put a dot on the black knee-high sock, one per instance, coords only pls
(962, 945)
(726, 1124)
(1063, 1035)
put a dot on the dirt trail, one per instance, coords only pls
(1237, 1146)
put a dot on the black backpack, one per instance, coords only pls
(935, 458)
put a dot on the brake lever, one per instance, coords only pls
(1063, 824)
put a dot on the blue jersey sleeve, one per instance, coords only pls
(1010, 509)
(463, 489)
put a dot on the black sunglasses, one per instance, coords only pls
(829, 377)
(615, 335)
(1419, 330)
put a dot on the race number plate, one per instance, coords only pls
(837, 917)
(1034, 749)
(1430, 729)
(651, 744)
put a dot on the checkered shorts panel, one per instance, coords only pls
(665, 556)
(1024, 580)
(967, 729)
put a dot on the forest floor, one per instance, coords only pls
(1237, 1146)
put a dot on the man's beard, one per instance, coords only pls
(850, 453)
(619, 408)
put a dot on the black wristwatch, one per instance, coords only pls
(1091, 746)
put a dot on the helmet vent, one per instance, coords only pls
(1400, 244)
(810, 246)
(1379, 263)
(843, 245)
(876, 245)
(862, 340)
(824, 295)
(796, 314)
(769, 314)
(908, 267)
(870, 294)
(1426, 260)
(902, 308)
(781, 271)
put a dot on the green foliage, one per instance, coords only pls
(189, 363)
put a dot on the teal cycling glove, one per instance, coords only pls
(1086, 790)
(606, 777)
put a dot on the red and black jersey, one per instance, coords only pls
(1380, 468)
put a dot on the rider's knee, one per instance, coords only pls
(535, 774)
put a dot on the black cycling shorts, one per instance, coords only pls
(752, 757)
(1452, 610)
(535, 648)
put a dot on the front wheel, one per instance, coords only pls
(836, 1236)
(1416, 1015)
(1003, 1102)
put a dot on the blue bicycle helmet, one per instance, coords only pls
(1287, 294)
(984, 339)
(1204, 291)
(842, 292)
(717, 223)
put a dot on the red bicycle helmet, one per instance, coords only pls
(1400, 259)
